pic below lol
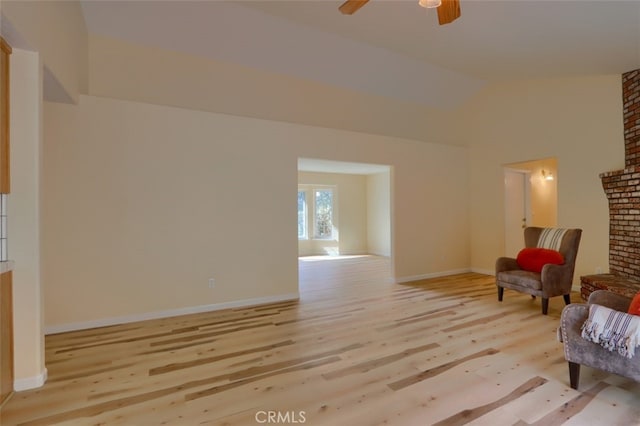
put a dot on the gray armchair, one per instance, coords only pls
(553, 280)
(579, 351)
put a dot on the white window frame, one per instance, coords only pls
(310, 231)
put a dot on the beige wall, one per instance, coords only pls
(350, 214)
(129, 71)
(56, 30)
(144, 203)
(379, 214)
(24, 218)
(577, 121)
(544, 198)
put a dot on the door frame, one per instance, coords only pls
(526, 174)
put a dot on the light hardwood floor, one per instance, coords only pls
(356, 350)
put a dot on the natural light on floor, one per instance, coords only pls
(331, 257)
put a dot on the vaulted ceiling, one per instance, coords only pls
(390, 48)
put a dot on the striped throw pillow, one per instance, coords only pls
(551, 238)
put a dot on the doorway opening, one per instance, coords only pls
(355, 220)
(530, 198)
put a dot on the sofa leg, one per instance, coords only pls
(567, 299)
(545, 305)
(574, 374)
(500, 293)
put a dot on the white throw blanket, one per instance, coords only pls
(613, 330)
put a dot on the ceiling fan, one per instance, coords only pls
(448, 10)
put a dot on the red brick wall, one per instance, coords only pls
(631, 110)
(623, 191)
(623, 188)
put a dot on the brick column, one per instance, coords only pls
(623, 188)
(631, 111)
(623, 192)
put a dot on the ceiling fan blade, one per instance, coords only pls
(350, 7)
(448, 11)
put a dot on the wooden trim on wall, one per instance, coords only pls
(5, 174)
(6, 337)
(5, 46)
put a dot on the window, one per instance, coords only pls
(323, 214)
(302, 215)
(317, 212)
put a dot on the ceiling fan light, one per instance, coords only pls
(429, 4)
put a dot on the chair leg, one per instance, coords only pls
(574, 374)
(545, 306)
(567, 299)
(500, 293)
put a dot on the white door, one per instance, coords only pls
(516, 200)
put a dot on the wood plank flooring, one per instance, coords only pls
(355, 350)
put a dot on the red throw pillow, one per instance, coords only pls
(634, 308)
(534, 258)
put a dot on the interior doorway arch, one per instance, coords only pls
(376, 210)
(517, 209)
(531, 199)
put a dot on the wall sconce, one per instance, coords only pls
(429, 4)
(547, 175)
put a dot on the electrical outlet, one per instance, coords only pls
(598, 270)
(212, 282)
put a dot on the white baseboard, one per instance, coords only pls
(401, 280)
(104, 322)
(27, 383)
(484, 271)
